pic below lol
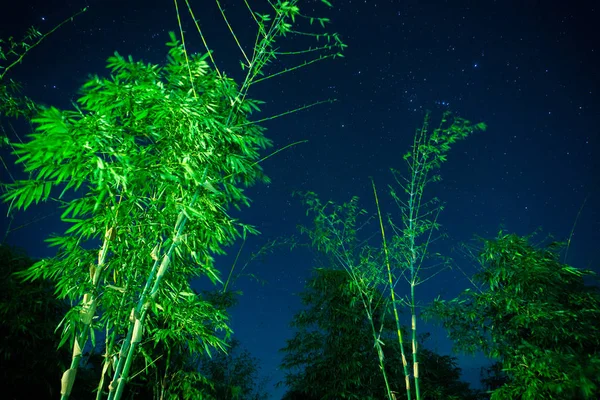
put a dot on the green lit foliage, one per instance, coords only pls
(147, 164)
(12, 104)
(331, 355)
(335, 234)
(142, 154)
(169, 371)
(535, 315)
(411, 239)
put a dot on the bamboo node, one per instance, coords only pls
(111, 234)
(154, 253)
(92, 271)
(88, 308)
(136, 337)
(132, 316)
(114, 384)
(163, 266)
(67, 380)
(76, 348)
(106, 367)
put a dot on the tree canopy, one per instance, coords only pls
(331, 355)
(535, 315)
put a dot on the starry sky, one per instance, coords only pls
(526, 68)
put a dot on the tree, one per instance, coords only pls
(149, 163)
(233, 375)
(535, 315)
(331, 355)
(29, 315)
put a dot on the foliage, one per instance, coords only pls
(535, 315)
(12, 104)
(335, 233)
(168, 370)
(441, 377)
(176, 374)
(412, 237)
(233, 375)
(142, 147)
(411, 240)
(167, 367)
(148, 162)
(331, 355)
(12, 52)
(29, 315)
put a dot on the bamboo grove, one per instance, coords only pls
(146, 168)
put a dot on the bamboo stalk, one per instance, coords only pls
(138, 314)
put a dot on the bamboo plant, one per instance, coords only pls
(411, 239)
(12, 53)
(335, 233)
(148, 164)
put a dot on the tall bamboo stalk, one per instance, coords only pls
(393, 297)
(138, 313)
(88, 311)
(427, 154)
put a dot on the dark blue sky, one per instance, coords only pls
(526, 68)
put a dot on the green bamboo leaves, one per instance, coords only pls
(147, 165)
(411, 239)
(535, 315)
(12, 53)
(335, 234)
(130, 131)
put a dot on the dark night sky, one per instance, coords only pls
(526, 68)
